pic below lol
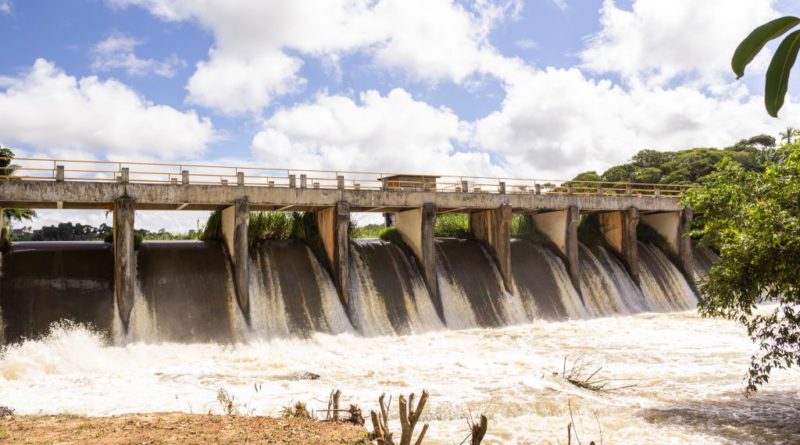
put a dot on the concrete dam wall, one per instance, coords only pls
(184, 290)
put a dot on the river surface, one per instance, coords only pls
(676, 379)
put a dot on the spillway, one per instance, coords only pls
(388, 295)
(607, 287)
(185, 293)
(543, 283)
(46, 282)
(663, 285)
(184, 290)
(471, 288)
(291, 294)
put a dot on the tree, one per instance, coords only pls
(7, 169)
(777, 82)
(787, 136)
(753, 219)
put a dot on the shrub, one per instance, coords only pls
(452, 225)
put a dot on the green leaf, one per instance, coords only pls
(753, 43)
(778, 73)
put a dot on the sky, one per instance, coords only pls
(533, 89)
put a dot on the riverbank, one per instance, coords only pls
(157, 428)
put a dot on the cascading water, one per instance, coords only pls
(663, 285)
(45, 282)
(704, 258)
(607, 288)
(187, 292)
(387, 294)
(184, 290)
(543, 282)
(471, 288)
(291, 294)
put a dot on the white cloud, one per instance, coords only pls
(54, 113)
(557, 122)
(394, 132)
(117, 52)
(427, 40)
(658, 41)
(6, 7)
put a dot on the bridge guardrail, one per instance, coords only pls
(43, 169)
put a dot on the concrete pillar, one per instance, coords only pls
(291, 181)
(561, 228)
(303, 181)
(619, 230)
(126, 175)
(416, 227)
(185, 177)
(124, 257)
(493, 229)
(59, 173)
(235, 223)
(674, 227)
(334, 225)
(240, 179)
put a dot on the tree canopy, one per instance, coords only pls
(686, 166)
(753, 218)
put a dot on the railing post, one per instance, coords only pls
(340, 182)
(628, 190)
(599, 189)
(464, 186)
(570, 190)
(185, 177)
(59, 173)
(537, 189)
(303, 181)
(126, 176)
(657, 192)
(292, 182)
(502, 187)
(240, 178)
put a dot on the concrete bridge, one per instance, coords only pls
(554, 208)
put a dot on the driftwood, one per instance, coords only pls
(409, 416)
(478, 430)
(333, 405)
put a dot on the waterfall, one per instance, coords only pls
(607, 288)
(291, 294)
(472, 289)
(188, 291)
(45, 282)
(184, 290)
(387, 293)
(663, 285)
(543, 283)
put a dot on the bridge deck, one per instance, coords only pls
(101, 195)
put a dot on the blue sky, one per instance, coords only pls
(539, 88)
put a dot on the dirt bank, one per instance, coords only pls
(164, 428)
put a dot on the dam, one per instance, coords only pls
(236, 290)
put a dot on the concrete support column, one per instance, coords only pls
(685, 253)
(416, 227)
(334, 225)
(561, 228)
(619, 230)
(235, 223)
(124, 257)
(674, 227)
(493, 229)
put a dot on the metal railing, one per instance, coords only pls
(42, 169)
